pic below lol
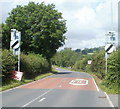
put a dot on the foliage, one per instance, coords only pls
(109, 79)
(33, 65)
(42, 28)
(81, 64)
(89, 50)
(113, 70)
(97, 66)
(5, 36)
(8, 64)
(65, 58)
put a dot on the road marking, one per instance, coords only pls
(41, 99)
(95, 84)
(60, 85)
(79, 82)
(26, 84)
(110, 102)
(37, 98)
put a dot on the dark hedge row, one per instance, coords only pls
(31, 65)
(97, 66)
(8, 64)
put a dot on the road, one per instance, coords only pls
(64, 89)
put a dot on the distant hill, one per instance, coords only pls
(89, 50)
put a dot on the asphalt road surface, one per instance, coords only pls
(64, 89)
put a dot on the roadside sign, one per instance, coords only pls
(89, 61)
(109, 48)
(110, 45)
(15, 44)
(17, 75)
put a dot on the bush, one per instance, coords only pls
(98, 64)
(82, 64)
(65, 58)
(113, 70)
(33, 64)
(8, 64)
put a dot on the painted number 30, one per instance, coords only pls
(79, 82)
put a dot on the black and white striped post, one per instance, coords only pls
(108, 50)
(15, 44)
(110, 45)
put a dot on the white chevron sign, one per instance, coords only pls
(15, 44)
(109, 48)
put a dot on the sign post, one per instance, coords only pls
(110, 45)
(19, 36)
(15, 44)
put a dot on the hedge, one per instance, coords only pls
(113, 70)
(111, 78)
(33, 65)
(8, 64)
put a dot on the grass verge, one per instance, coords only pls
(15, 83)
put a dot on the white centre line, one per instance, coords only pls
(37, 98)
(41, 99)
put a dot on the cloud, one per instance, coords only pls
(90, 23)
(87, 20)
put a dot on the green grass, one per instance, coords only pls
(112, 89)
(102, 85)
(43, 76)
(15, 83)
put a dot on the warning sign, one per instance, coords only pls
(17, 75)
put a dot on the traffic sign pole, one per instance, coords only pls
(110, 46)
(106, 56)
(15, 44)
(19, 33)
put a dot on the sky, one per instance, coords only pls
(87, 21)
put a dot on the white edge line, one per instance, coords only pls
(96, 85)
(37, 98)
(94, 82)
(25, 84)
(111, 104)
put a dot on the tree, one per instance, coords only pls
(66, 58)
(78, 50)
(42, 28)
(5, 36)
